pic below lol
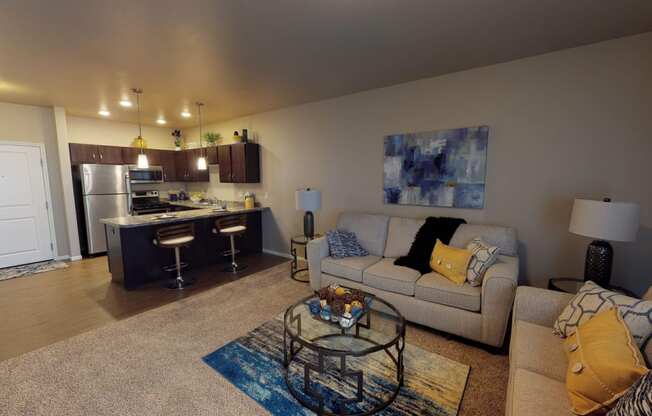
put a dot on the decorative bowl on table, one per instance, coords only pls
(340, 304)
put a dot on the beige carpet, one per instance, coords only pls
(151, 364)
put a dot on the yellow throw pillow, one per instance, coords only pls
(603, 362)
(450, 262)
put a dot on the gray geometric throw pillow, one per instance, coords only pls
(593, 299)
(484, 255)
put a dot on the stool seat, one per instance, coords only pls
(175, 237)
(176, 241)
(234, 229)
(231, 226)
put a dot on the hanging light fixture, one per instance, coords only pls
(201, 161)
(143, 163)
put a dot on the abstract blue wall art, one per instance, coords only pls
(444, 168)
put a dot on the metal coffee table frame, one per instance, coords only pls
(289, 353)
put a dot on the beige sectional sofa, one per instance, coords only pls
(479, 313)
(537, 362)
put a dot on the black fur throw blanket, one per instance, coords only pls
(434, 228)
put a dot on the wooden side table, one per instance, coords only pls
(300, 240)
(573, 285)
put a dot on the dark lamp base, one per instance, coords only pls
(599, 258)
(309, 225)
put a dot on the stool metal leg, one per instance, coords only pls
(179, 282)
(234, 267)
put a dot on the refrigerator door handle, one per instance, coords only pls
(130, 205)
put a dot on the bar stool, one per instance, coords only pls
(176, 236)
(230, 227)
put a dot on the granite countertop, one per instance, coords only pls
(179, 216)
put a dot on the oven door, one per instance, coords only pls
(151, 211)
(152, 174)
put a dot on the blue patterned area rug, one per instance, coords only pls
(434, 385)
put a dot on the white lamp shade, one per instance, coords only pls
(308, 200)
(201, 163)
(143, 163)
(612, 221)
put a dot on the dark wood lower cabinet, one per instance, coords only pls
(134, 260)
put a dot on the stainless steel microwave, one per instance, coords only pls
(152, 174)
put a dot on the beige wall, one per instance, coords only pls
(572, 123)
(97, 131)
(25, 123)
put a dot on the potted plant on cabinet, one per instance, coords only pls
(212, 138)
(178, 141)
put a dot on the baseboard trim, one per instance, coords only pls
(278, 253)
(62, 258)
(75, 258)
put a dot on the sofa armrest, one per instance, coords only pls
(498, 290)
(316, 250)
(539, 306)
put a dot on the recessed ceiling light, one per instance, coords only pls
(104, 113)
(186, 114)
(125, 103)
(160, 121)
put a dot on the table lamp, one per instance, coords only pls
(605, 221)
(308, 200)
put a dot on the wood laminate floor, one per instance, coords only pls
(41, 309)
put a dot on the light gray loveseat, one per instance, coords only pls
(537, 361)
(479, 313)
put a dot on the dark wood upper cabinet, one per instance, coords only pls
(83, 153)
(167, 160)
(110, 155)
(130, 156)
(239, 163)
(196, 175)
(181, 165)
(211, 155)
(177, 165)
(224, 162)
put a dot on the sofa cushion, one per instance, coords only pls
(400, 235)
(535, 348)
(502, 237)
(536, 394)
(371, 230)
(385, 275)
(433, 287)
(350, 268)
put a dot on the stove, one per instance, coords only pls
(147, 202)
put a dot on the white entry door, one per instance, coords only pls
(24, 222)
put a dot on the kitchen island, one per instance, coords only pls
(135, 260)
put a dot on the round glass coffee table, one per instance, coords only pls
(335, 371)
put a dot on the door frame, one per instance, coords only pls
(48, 195)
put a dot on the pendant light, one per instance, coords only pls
(143, 163)
(201, 161)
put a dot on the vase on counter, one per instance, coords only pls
(249, 201)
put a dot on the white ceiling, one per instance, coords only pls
(243, 56)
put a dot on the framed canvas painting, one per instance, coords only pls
(444, 168)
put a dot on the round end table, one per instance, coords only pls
(299, 240)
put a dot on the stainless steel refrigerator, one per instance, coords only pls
(104, 193)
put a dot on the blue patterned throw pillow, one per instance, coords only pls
(344, 244)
